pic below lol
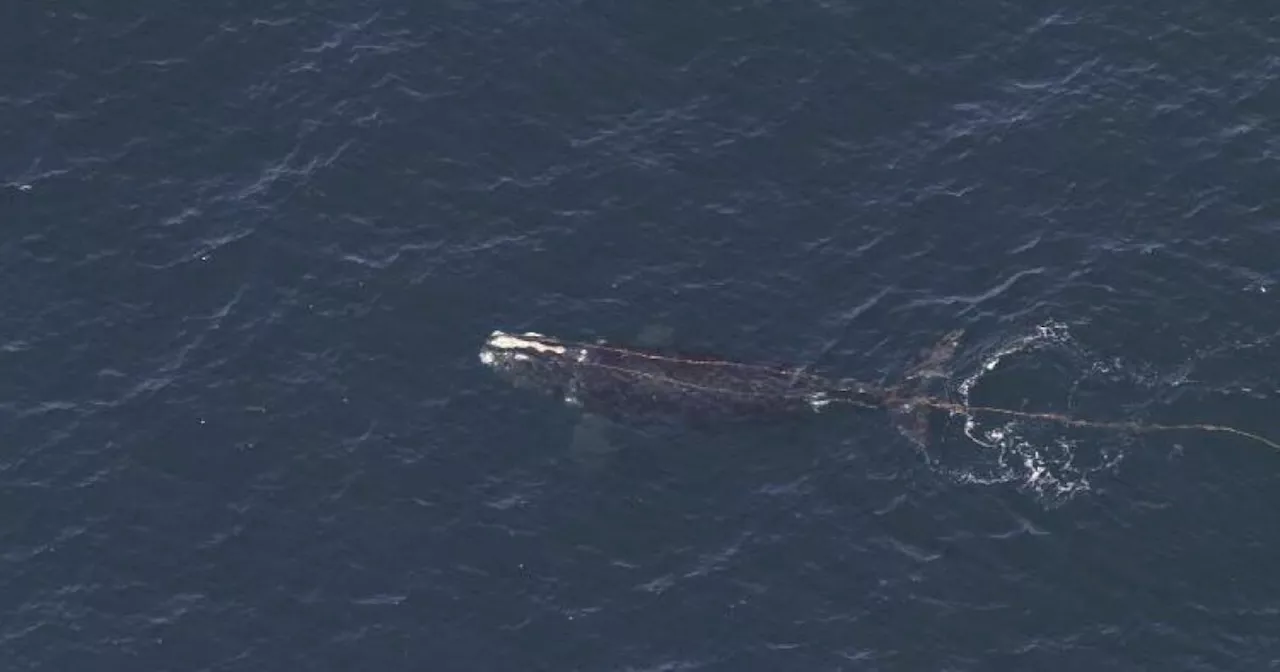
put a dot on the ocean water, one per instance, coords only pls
(251, 250)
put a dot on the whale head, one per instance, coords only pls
(532, 359)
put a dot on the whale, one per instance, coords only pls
(626, 383)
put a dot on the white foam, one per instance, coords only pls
(1052, 469)
(818, 400)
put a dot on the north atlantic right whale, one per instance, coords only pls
(622, 382)
(625, 383)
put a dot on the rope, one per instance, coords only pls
(882, 397)
(1063, 419)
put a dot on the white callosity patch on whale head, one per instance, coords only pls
(502, 349)
(528, 341)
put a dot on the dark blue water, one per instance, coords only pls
(250, 252)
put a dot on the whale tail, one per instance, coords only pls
(909, 404)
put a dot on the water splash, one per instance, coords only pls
(1020, 450)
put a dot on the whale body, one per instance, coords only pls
(626, 382)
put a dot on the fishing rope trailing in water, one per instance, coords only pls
(1063, 419)
(889, 397)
